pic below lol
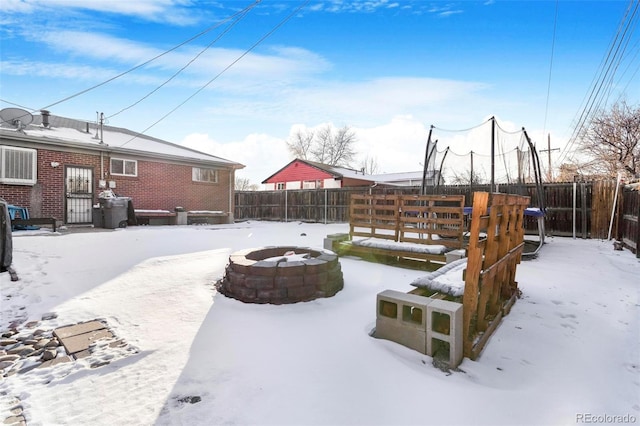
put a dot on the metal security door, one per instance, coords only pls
(79, 190)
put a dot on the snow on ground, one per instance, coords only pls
(569, 347)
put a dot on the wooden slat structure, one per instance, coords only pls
(424, 216)
(421, 219)
(629, 219)
(490, 286)
(374, 216)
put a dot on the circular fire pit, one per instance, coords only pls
(281, 275)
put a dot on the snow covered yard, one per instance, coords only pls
(570, 347)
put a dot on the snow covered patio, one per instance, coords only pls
(569, 349)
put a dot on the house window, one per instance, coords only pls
(124, 167)
(205, 175)
(310, 184)
(18, 166)
(280, 186)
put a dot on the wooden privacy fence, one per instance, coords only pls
(490, 287)
(629, 218)
(582, 209)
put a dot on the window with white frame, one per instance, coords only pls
(124, 167)
(205, 175)
(310, 184)
(18, 166)
(280, 186)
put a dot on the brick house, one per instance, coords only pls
(304, 174)
(57, 166)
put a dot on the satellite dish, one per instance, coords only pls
(16, 117)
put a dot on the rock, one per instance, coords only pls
(53, 343)
(17, 410)
(5, 364)
(49, 354)
(20, 350)
(11, 357)
(37, 352)
(41, 343)
(190, 399)
(31, 324)
(13, 420)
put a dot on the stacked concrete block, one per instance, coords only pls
(264, 275)
(402, 318)
(444, 325)
(333, 239)
(420, 323)
(454, 255)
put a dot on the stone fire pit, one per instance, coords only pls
(281, 275)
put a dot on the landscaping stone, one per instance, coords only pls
(8, 357)
(42, 343)
(74, 330)
(49, 354)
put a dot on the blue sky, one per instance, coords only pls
(389, 69)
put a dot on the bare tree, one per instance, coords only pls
(341, 151)
(369, 165)
(326, 145)
(300, 144)
(244, 184)
(462, 177)
(321, 145)
(612, 142)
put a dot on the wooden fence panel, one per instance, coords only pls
(629, 230)
(592, 204)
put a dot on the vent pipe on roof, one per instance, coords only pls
(45, 118)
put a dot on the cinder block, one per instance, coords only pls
(444, 323)
(402, 318)
(331, 238)
(454, 255)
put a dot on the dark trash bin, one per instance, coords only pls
(114, 212)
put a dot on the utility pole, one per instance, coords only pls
(493, 156)
(548, 151)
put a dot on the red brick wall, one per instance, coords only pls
(162, 186)
(158, 186)
(50, 184)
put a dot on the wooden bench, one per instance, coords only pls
(155, 217)
(404, 227)
(207, 217)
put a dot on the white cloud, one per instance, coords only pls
(397, 146)
(262, 154)
(169, 11)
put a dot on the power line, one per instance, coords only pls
(553, 45)
(606, 66)
(207, 30)
(238, 19)
(246, 52)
